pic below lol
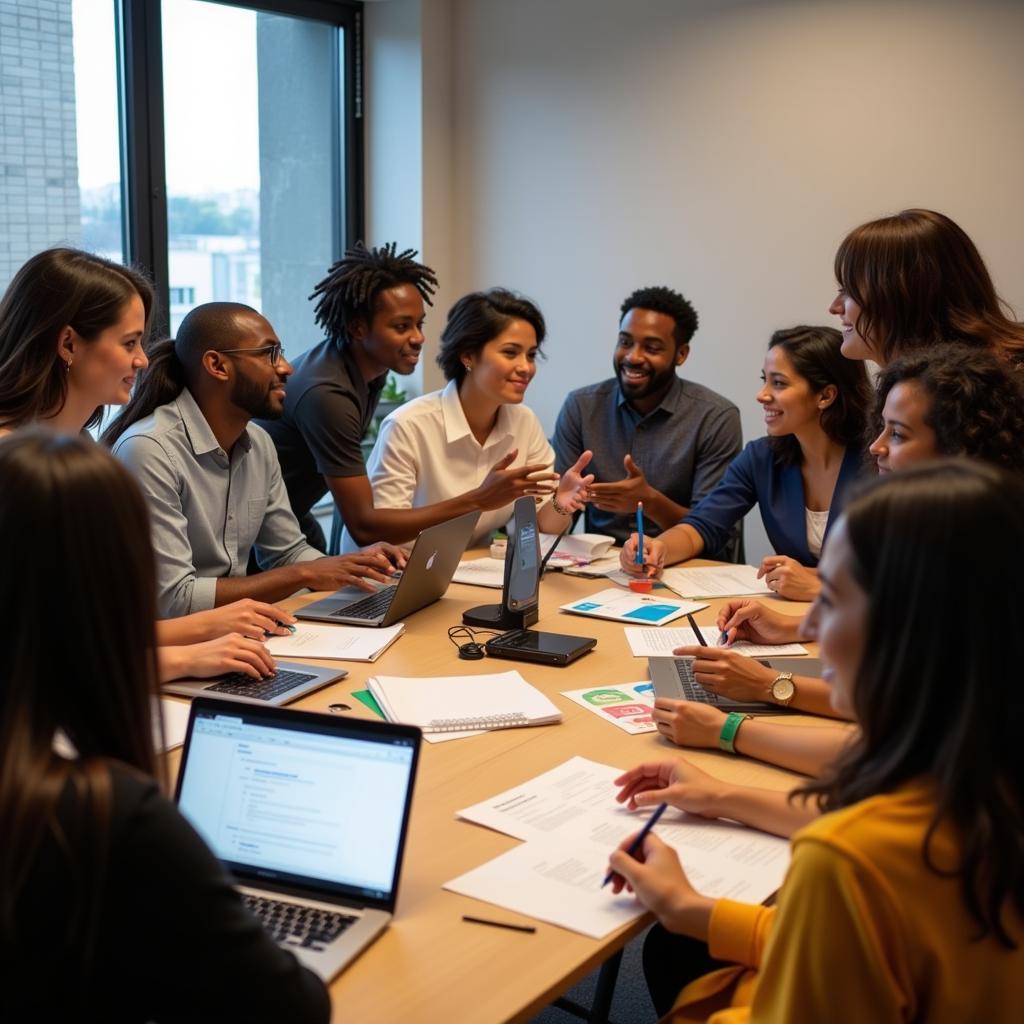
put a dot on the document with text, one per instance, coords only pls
(715, 581)
(659, 643)
(570, 823)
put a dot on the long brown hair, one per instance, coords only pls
(919, 280)
(77, 599)
(57, 288)
(938, 692)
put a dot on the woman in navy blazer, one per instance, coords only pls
(815, 408)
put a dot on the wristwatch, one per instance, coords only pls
(783, 689)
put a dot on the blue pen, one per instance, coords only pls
(639, 841)
(640, 533)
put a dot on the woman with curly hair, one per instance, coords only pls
(951, 400)
(914, 280)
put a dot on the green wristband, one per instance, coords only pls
(731, 726)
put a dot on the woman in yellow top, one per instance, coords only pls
(905, 901)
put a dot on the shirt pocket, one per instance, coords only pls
(257, 511)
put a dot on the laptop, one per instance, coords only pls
(673, 677)
(290, 682)
(309, 813)
(428, 572)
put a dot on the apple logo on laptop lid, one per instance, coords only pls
(430, 560)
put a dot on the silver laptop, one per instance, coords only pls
(290, 682)
(673, 677)
(309, 813)
(428, 573)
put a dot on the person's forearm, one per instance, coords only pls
(172, 662)
(809, 751)
(187, 629)
(663, 510)
(766, 809)
(551, 521)
(400, 525)
(270, 585)
(681, 542)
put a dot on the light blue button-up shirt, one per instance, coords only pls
(208, 509)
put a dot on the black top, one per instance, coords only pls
(327, 408)
(174, 942)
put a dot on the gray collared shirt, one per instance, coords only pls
(208, 509)
(683, 447)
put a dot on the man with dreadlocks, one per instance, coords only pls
(370, 306)
(673, 439)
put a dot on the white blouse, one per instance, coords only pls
(816, 523)
(426, 453)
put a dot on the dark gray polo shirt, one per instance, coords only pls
(327, 408)
(683, 446)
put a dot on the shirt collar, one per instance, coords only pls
(200, 436)
(456, 426)
(671, 402)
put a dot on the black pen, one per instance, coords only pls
(499, 924)
(696, 630)
(641, 836)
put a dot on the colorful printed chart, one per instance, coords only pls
(626, 705)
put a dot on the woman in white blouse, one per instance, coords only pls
(474, 446)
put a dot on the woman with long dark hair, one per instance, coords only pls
(74, 331)
(815, 408)
(905, 900)
(111, 906)
(914, 280)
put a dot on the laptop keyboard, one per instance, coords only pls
(371, 607)
(296, 924)
(260, 689)
(693, 690)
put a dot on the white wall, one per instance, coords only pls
(722, 148)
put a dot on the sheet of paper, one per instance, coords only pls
(341, 643)
(481, 572)
(569, 821)
(599, 567)
(625, 606)
(626, 705)
(658, 643)
(175, 714)
(715, 581)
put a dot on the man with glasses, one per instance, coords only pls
(211, 477)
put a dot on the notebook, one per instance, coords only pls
(343, 643)
(290, 682)
(309, 813)
(428, 571)
(446, 704)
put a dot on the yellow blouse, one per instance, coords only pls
(864, 932)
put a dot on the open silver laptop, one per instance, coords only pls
(290, 682)
(309, 813)
(673, 677)
(428, 573)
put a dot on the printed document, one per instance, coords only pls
(341, 643)
(715, 581)
(657, 643)
(570, 823)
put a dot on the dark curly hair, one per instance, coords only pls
(478, 318)
(351, 287)
(816, 356)
(976, 402)
(672, 304)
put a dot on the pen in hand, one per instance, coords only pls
(639, 533)
(696, 630)
(637, 844)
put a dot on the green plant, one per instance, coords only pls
(391, 391)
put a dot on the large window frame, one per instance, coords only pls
(140, 87)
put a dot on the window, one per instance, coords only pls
(60, 170)
(218, 146)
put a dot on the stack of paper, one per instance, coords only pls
(577, 548)
(463, 704)
(481, 572)
(570, 823)
(659, 643)
(715, 581)
(340, 643)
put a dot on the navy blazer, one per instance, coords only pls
(757, 477)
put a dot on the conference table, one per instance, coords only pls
(430, 965)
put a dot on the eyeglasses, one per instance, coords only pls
(273, 352)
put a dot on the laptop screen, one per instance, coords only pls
(300, 800)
